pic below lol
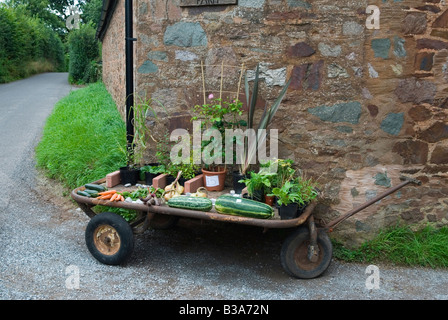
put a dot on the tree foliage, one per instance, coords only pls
(27, 45)
(84, 51)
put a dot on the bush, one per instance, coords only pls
(84, 52)
(26, 41)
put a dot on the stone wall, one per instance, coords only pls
(364, 106)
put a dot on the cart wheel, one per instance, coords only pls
(109, 238)
(163, 221)
(294, 254)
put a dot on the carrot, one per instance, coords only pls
(114, 197)
(105, 197)
(103, 193)
(121, 198)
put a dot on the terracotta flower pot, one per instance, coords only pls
(269, 200)
(214, 180)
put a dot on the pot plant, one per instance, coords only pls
(250, 149)
(288, 198)
(258, 184)
(188, 170)
(134, 150)
(216, 116)
(150, 171)
(293, 194)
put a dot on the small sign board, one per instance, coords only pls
(197, 3)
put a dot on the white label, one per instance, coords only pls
(211, 181)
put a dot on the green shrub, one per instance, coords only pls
(83, 51)
(26, 41)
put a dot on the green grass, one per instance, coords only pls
(427, 247)
(83, 138)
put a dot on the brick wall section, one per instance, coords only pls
(364, 107)
(114, 58)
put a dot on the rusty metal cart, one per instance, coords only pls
(305, 254)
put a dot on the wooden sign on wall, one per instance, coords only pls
(195, 3)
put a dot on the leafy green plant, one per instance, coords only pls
(286, 194)
(292, 187)
(189, 170)
(250, 149)
(258, 181)
(142, 108)
(157, 169)
(219, 114)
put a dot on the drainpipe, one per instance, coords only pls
(129, 74)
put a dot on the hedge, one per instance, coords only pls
(27, 46)
(84, 52)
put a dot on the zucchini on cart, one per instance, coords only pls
(306, 253)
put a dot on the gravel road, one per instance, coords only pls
(43, 254)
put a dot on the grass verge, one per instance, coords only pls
(427, 247)
(83, 138)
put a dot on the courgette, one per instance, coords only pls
(92, 193)
(237, 206)
(190, 203)
(93, 186)
(83, 193)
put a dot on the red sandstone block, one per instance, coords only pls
(113, 179)
(193, 184)
(159, 181)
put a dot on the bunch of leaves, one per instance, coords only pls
(258, 181)
(127, 214)
(189, 170)
(154, 169)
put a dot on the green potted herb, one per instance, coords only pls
(257, 185)
(287, 199)
(189, 171)
(294, 195)
(308, 190)
(150, 171)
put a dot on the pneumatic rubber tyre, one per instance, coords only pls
(294, 254)
(109, 238)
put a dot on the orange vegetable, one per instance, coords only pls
(103, 193)
(105, 197)
(114, 197)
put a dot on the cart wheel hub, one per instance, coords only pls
(106, 240)
(305, 258)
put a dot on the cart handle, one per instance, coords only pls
(406, 180)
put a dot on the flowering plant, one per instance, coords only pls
(219, 114)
